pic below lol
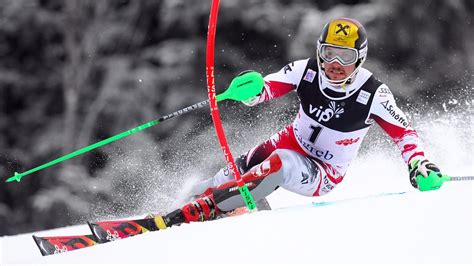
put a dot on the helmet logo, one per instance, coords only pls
(341, 29)
(342, 33)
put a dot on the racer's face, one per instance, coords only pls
(336, 71)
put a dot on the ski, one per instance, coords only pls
(107, 231)
(49, 245)
(102, 232)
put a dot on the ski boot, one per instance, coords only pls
(202, 209)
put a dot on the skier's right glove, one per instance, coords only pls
(425, 175)
(252, 100)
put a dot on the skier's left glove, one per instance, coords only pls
(424, 175)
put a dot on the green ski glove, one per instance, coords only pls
(251, 101)
(425, 175)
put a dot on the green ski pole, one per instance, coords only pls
(241, 88)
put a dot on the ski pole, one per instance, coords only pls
(459, 178)
(434, 181)
(241, 88)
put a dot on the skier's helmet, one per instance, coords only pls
(343, 40)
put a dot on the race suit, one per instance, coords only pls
(327, 131)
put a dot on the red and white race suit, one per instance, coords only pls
(331, 123)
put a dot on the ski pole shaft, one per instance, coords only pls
(17, 176)
(460, 178)
(241, 88)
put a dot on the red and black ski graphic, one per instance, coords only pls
(102, 232)
(49, 245)
(107, 231)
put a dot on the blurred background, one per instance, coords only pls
(78, 71)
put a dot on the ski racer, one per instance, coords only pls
(339, 101)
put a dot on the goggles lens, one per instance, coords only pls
(345, 56)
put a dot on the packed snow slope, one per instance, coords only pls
(415, 227)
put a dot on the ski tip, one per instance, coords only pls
(49, 245)
(92, 225)
(99, 234)
(44, 247)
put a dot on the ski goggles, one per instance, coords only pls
(345, 56)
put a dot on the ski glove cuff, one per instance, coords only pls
(252, 101)
(425, 175)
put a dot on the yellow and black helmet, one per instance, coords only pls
(343, 40)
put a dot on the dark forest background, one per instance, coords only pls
(78, 71)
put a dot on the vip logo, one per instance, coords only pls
(347, 142)
(333, 110)
(342, 30)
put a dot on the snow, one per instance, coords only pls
(429, 227)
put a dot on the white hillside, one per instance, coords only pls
(432, 227)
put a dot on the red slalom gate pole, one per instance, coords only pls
(211, 89)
